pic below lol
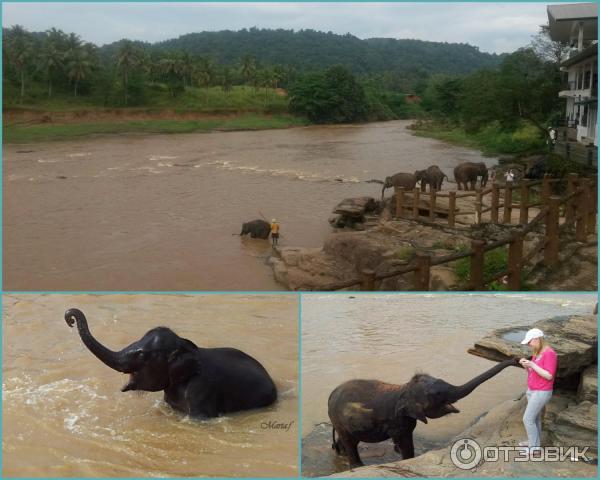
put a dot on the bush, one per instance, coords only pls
(495, 261)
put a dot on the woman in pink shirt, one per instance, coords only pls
(541, 370)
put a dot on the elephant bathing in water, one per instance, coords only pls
(406, 180)
(257, 229)
(467, 173)
(200, 382)
(432, 176)
(372, 411)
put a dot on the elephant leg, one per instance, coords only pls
(423, 186)
(404, 444)
(349, 445)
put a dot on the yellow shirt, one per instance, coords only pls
(274, 228)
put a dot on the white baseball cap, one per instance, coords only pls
(531, 334)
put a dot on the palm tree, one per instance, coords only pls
(127, 59)
(79, 66)
(248, 68)
(50, 60)
(19, 51)
(187, 65)
(204, 73)
(172, 67)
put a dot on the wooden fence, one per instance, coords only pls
(576, 210)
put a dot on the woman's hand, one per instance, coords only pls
(525, 363)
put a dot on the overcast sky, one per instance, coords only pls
(493, 27)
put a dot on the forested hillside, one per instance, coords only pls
(313, 50)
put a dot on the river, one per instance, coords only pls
(392, 337)
(64, 415)
(158, 212)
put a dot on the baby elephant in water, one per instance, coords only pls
(201, 382)
(372, 411)
(256, 228)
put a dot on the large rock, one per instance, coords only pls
(576, 426)
(574, 338)
(356, 207)
(588, 386)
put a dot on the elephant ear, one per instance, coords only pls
(183, 363)
(412, 410)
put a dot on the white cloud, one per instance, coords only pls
(494, 27)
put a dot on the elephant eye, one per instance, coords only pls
(139, 353)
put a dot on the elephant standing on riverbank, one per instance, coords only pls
(256, 228)
(467, 174)
(200, 382)
(406, 180)
(432, 176)
(372, 411)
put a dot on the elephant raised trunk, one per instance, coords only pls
(115, 360)
(455, 393)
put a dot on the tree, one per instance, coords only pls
(331, 97)
(50, 60)
(79, 66)
(128, 58)
(173, 70)
(20, 53)
(248, 68)
(546, 48)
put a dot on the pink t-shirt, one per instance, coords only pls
(549, 362)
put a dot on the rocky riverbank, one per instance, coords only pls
(366, 236)
(570, 418)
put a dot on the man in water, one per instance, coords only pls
(274, 231)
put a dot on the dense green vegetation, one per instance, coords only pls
(501, 110)
(500, 104)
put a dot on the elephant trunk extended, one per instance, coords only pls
(455, 393)
(114, 360)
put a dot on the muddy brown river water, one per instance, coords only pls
(64, 414)
(157, 212)
(392, 337)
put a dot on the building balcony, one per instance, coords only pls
(574, 56)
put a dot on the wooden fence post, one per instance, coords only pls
(477, 263)
(524, 203)
(495, 202)
(451, 208)
(416, 200)
(546, 188)
(551, 250)
(515, 256)
(367, 283)
(399, 201)
(432, 197)
(421, 278)
(478, 205)
(590, 220)
(570, 207)
(507, 204)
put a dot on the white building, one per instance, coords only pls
(577, 26)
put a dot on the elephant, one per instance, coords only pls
(406, 180)
(200, 382)
(468, 172)
(372, 411)
(433, 176)
(257, 229)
